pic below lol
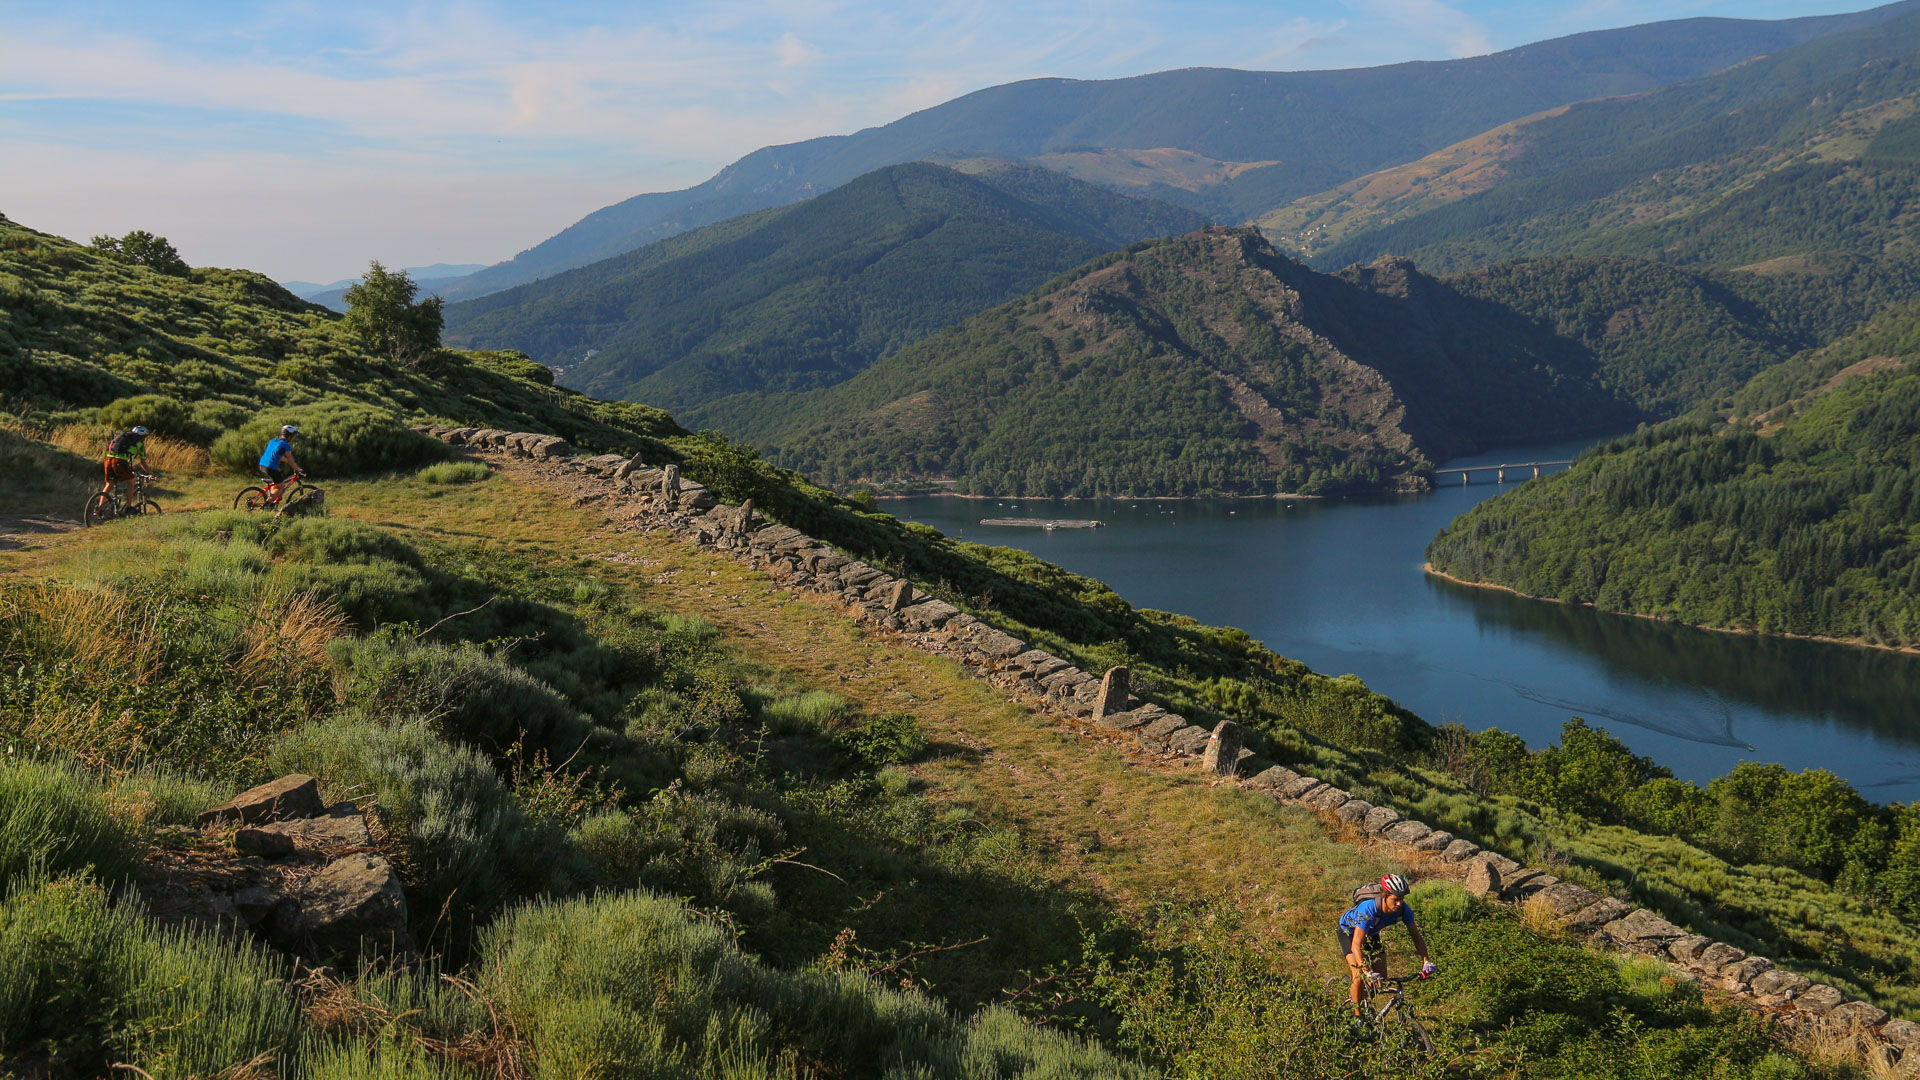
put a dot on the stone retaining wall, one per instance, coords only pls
(658, 498)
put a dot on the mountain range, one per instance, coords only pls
(802, 296)
(1231, 144)
(433, 280)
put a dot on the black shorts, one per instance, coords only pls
(1370, 947)
(275, 473)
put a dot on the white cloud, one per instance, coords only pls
(792, 52)
(1459, 33)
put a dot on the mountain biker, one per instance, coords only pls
(1359, 935)
(123, 450)
(279, 448)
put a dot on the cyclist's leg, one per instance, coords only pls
(1357, 978)
(272, 478)
(1376, 952)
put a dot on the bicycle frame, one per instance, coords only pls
(1395, 993)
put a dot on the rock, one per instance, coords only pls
(1407, 833)
(1378, 819)
(1564, 898)
(1882, 1060)
(1222, 755)
(1819, 999)
(1594, 915)
(899, 595)
(1190, 740)
(1299, 787)
(263, 843)
(929, 614)
(1127, 721)
(341, 826)
(1506, 866)
(1326, 799)
(1460, 850)
(1775, 981)
(1273, 778)
(1437, 840)
(1716, 956)
(1113, 694)
(1529, 882)
(1482, 878)
(1163, 727)
(288, 797)
(1904, 1034)
(354, 900)
(626, 469)
(550, 446)
(670, 486)
(1744, 972)
(256, 904)
(1353, 811)
(1857, 1014)
(1688, 949)
(1642, 931)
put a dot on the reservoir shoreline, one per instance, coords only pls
(1858, 643)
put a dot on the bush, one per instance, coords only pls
(54, 821)
(633, 986)
(455, 472)
(891, 739)
(85, 983)
(467, 841)
(337, 438)
(165, 415)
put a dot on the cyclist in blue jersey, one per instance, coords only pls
(279, 449)
(1359, 935)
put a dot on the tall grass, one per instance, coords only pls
(635, 985)
(454, 472)
(85, 983)
(54, 820)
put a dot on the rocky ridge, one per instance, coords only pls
(658, 499)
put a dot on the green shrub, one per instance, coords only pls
(701, 846)
(337, 438)
(165, 415)
(213, 417)
(814, 712)
(53, 820)
(633, 986)
(454, 472)
(890, 739)
(468, 843)
(85, 983)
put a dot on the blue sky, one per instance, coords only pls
(302, 139)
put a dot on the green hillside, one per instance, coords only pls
(1797, 154)
(805, 296)
(1211, 364)
(1799, 514)
(657, 815)
(201, 354)
(1294, 132)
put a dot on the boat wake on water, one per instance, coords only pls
(1715, 729)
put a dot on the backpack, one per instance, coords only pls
(1370, 891)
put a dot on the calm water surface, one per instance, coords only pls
(1337, 584)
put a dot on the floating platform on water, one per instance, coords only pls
(1048, 524)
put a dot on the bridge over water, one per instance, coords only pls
(1499, 471)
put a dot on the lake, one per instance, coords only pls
(1337, 584)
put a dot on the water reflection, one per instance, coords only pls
(1870, 690)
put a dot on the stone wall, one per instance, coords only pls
(657, 498)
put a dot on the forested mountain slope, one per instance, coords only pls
(804, 296)
(1206, 363)
(1799, 514)
(1808, 151)
(1272, 136)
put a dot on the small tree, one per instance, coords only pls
(142, 248)
(381, 311)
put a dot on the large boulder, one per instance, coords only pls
(352, 907)
(276, 800)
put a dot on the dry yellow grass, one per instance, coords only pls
(283, 629)
(97, 627)
(163, 454)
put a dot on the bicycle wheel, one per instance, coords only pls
(148, 506)
(99, 510)
(251, 499)
(1412, 1036)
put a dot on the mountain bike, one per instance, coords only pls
(1387, 1013)
(296, 497)
(104, 506)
